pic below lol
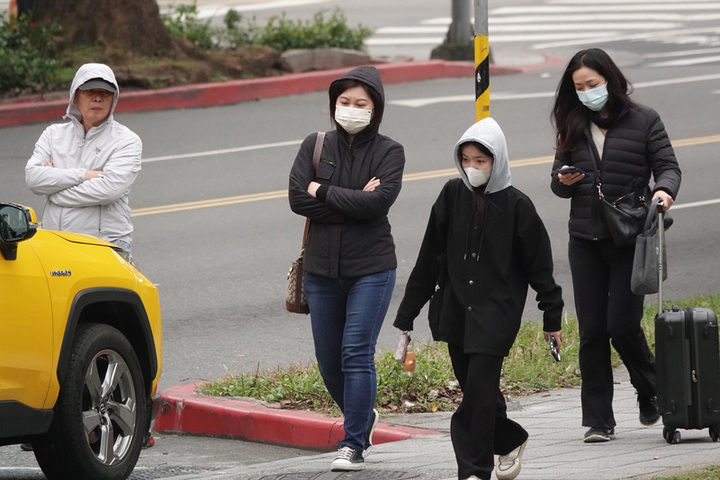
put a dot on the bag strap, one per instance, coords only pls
(319, 140)
(653, 215)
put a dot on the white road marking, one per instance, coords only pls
(686, 62)
(423, 102)
(695, 204)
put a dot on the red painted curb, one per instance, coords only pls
(236, 91)
(182, 410)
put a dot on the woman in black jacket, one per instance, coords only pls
(483, 246)
(617, 144)
(350, 258)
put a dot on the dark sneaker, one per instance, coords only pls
(649, 412)
(348, 459)
(509, 465)
(26, 447)
(369, 433)
(599, 434)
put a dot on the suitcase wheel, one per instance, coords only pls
(714, 434)
(671, 435)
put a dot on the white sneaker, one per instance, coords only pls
(370, 431)
(509, 465)
(472, 477)
(348, 459)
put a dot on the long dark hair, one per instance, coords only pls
(569, 116)
(338, 87)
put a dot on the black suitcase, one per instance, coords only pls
(687, 363)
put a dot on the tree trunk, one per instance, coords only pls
(133, 26)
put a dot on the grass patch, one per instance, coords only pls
(709, 473)
(528, 369)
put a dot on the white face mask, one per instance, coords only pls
(352, 120)
(478, 177)
(595, 98)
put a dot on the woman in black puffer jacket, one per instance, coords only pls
(618, 145)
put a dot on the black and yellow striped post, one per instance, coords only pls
(482, 61)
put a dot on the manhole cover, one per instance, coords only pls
(361, 475)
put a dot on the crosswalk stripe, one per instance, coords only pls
(595, 7)
(686, 62)
(541, 27)
(669, 34)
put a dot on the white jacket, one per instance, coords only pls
(99, 206)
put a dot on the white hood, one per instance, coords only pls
(487, 132)
(85, 73)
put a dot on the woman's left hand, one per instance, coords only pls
(371, 185)
(665, 197)
(313, 188)
(558, 338)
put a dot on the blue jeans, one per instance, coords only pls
(346, 316)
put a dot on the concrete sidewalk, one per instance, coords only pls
(418, 446)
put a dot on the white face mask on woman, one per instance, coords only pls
(595, 98)
(478, 177)
(352, 120)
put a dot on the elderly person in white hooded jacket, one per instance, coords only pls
(86, 167)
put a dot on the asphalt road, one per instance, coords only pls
(214, 230)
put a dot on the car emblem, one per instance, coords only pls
(60, 273)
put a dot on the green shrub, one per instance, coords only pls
(183, 22)
(280, 33)
(235, 35)
(26, 54)
(284, 34)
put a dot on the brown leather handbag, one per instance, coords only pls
(296, 301)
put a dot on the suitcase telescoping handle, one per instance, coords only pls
(661, 249)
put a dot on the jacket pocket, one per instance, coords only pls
(436, 301)
(326, 168)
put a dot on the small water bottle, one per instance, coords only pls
(409, 364)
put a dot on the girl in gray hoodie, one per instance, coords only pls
(484, 245)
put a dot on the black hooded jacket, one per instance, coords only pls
(478, 273)
(349, 230)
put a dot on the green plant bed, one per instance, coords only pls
(35, 62)
(528, 369)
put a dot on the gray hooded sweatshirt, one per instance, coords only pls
(482, 248)
(99, 206)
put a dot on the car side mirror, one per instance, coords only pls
(16, 225)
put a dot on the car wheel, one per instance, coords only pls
(100, 414)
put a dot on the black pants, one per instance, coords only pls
(607, 312)
(479, 427)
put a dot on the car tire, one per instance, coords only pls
(96, 432)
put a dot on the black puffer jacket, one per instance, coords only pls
(349, 229)
(636, 146)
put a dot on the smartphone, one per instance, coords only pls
(553, 348)
(571, 169)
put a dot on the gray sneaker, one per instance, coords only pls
(348, 459)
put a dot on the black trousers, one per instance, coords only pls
(479, 428)
(607, 312)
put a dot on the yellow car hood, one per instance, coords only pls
(79, 238)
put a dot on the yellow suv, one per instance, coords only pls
(80, 350)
